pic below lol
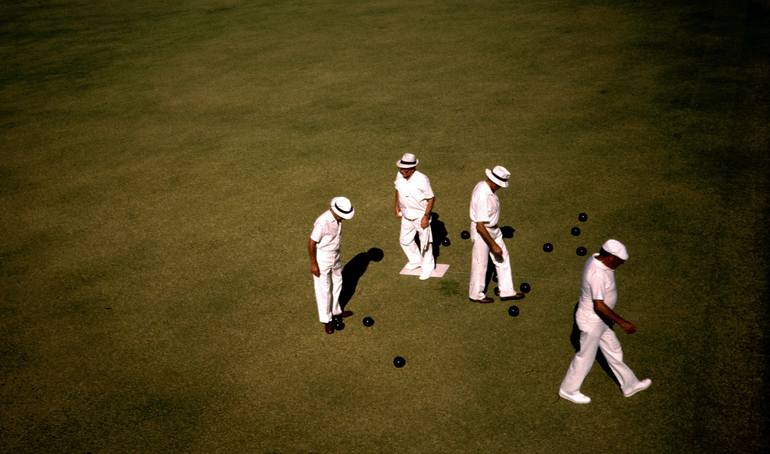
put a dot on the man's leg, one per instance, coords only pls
(336, 278)
(504, 272)
(590, 333)
(479, 257)
(613, 352)
(408, 231)
(323, 295)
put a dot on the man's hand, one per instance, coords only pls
(627, 326)
(609, 316)
(314, 270)
(425, 221)
(494, 248)
(497, 251)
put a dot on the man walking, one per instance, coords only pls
(595, 317)
(324, 250)
(487, 239)
(413, 204)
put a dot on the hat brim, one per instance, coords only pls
(617, 249)
(622, 255)
(497, 181)
(342, 214)
(401, 165)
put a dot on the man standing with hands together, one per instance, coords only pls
(413, 204)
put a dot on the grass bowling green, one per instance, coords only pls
(162, 162)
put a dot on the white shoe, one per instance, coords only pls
(577, 397)
(424, 276)
(412, 266)
(639, 386)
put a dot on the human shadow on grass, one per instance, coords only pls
(354, 269)
(574, 339)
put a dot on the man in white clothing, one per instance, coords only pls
(595, 317)
(487, 239)
(325, 265)
(413, 204)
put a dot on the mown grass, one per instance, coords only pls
(162, 163)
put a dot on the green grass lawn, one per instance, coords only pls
(162, 162)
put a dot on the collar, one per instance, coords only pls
(411, 177)
(330, 215)
(601, 264)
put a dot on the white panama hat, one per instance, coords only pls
(616, 248)
(342, 207)
(499, 175)
(407, 161)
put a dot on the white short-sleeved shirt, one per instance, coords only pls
(485, 206)
(413, 194)
(326, 232)
(598, 284)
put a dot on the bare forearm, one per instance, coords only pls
(429, 207)
(396, 207)
(608, 314)
(311, 251)
(484, 233)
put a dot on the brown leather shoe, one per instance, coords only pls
(344, 314)
(329, 328)
(517, 296)
(485, 300)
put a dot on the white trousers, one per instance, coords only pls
(594, 335)
(480, 255)
(327, 288)
(423, 255)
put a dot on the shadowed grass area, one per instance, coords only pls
(161, 164)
